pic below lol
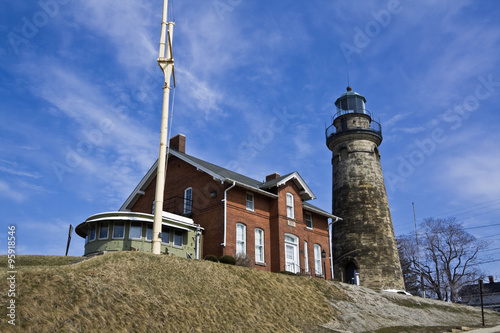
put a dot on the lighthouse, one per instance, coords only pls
(364, 247)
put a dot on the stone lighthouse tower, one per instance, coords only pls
(363, 243)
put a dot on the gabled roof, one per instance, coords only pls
(225, 175)
(473, 289)
(305, 193)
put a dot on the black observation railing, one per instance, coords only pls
(331, 131)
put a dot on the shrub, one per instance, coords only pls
(227, 260)
(211, 257)
(243, 260)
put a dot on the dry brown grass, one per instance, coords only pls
(139, 292)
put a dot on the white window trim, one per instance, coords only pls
(188, 202)
(311, 217)
(95, 232)
(258, 260)
(107, 232)
(295, 242)
(317, 258)
(306, 257)
(292, 213)
(244, 241)
(130, 229)
(182, 239)
(252, 202)
(113, 234)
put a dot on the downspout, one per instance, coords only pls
(225, 211)
(197, 243)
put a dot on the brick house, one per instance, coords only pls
(271, 222)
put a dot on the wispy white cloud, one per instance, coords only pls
(19, 172)
(9, 193)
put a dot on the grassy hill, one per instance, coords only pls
(139, 292)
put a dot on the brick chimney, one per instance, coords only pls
(272, 176)
(492, 279)
(178, 143)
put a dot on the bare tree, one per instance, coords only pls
(449, 257)
(408, 256)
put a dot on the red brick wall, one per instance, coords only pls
(318, 235)
(259, 218)
(207, 211)
(269, 214)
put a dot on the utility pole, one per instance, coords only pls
(166, 63)
(418, 252)
(481, 293)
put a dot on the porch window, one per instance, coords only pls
(135, 231)
(165, 235)
(118, 230)
(149, 232)
(178, 235)
(103, 230)
(92, 232)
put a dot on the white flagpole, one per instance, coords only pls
(166, 62)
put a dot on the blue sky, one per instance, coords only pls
(80, 102)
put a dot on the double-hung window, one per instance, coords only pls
(259, 245)
(309, 220)
(250, 201)
(289, 206)
(241, 238)
(317, 259)
(188, 200)
(306, 257)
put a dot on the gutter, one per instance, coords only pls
(225, 211)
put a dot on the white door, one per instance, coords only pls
(292, 254)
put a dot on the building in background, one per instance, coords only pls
(469, 295)
(363, 242)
